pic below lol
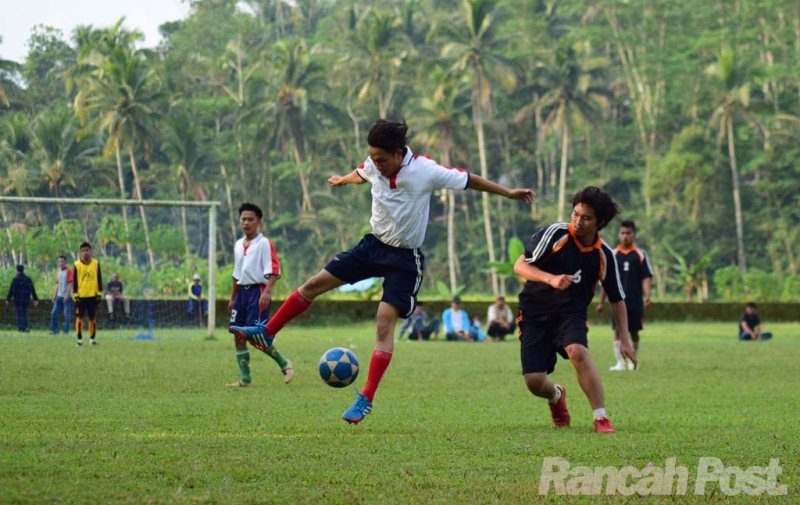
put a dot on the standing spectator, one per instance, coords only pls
(114, 292)
(417, 326)
(500, 318)
(62, 297)
(456, 323)
(20, 292)
(750, 324)
(196, 303)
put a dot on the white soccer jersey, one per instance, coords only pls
(401, 203)
(253, 264)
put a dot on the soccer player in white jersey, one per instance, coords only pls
(256, 269)
(402, 184)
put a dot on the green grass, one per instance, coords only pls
(150, 421)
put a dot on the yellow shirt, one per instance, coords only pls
(88, 279)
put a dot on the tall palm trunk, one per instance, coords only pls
(121, 176)
(562, 183)
(229, 198)
(477, 117)
(451, 234)
(307, 205)
(184, 225)
(138, 195)
(737, 198)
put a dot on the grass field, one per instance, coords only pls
(150, 421)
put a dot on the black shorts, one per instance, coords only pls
(86, 307)
(634, 321)
(543, 337)
(400, 268)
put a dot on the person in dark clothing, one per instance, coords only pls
(20, 293)
(750, 324)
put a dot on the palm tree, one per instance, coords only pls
(569, 97)
(118, 88)
(437, 116)
(7, 69)
(183, 146)
(60, 150)
(290, 110)
(475, 49)
(732, 83)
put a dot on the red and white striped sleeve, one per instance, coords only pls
(272, 266)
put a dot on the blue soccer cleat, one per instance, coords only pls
(256, 334)
(360, 407)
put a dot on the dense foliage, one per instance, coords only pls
(686, 111)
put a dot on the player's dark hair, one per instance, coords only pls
(252, 208)
(605, 209)
(752, 305)
(61, 256)
(388, 135)
(629, 225)
(85, 244)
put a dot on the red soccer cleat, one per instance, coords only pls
(559, 411)
(603, 425)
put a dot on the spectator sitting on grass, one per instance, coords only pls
(750, 324)
(456, 323)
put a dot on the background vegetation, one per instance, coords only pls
(686, 111)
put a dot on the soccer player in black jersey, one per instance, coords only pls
(636, 275)
(562, 265)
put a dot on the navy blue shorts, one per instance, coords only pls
(544, 337)
(400, 268)
(245, 307)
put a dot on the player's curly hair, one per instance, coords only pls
(605, 209)
(388, 135)
(252, 208)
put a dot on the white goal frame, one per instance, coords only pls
(212, 231)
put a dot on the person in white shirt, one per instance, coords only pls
(500, 318)
(402, 184)
(256, 269)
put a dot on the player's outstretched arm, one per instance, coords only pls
(478, 183)
(343, 180)
(621, 317)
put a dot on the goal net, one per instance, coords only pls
(157, 262)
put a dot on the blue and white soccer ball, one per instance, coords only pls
(338, 367)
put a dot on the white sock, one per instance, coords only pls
(599, 413)
(556, 396)
(618, 353)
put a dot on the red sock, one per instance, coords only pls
(377, 365)
(292, 307)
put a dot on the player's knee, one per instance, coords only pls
(535, 382)
(577, 353)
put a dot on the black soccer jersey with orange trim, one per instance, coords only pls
(557, 250)
(634, 267)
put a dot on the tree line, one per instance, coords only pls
(687, 112)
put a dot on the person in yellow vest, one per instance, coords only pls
(87, 289)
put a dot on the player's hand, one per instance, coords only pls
(337, 180)
(647, 302)
(524, 194)
(263, 301)
(561, 282)
(36, 303)
(601, 307)
(627, 351)
(230, 306)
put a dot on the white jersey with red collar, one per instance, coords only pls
(256, 262)
(401, 203)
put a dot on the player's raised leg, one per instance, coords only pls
(381, 357)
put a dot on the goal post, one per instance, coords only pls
(119, 202)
